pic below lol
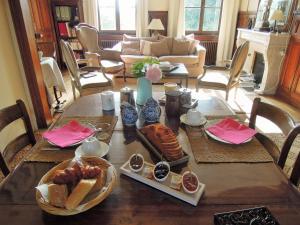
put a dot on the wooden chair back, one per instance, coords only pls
(287, 125)
(70, 60)
(295, 175)
(88, 37)
(7, 116)
(238, 61)
(281, 118)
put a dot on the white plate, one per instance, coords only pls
(223, 141)
(184, 120)
(104, 150)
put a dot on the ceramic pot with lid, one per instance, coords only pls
(173, 103)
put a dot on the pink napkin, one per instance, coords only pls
(231, 131)
(68, 134)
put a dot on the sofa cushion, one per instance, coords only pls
(129, 59)
(145, 47)
(131, 48)
(160, 48)
(132, 38)
(169, 40)
(193, 43)
(180, 47)
(185, 59)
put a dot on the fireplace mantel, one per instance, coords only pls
(273, 47)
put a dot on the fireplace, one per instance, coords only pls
(258, 68)
(266, 52)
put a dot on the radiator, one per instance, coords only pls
(109, 43)
(211, 52)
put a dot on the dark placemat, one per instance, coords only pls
(44, 152)
(207, 150)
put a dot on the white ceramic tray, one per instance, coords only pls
(164, 186)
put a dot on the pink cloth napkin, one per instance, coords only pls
(68, 134)
(231, 131)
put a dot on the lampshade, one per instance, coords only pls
(277, 15)
(156, 24)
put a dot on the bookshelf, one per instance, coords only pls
(66, 15)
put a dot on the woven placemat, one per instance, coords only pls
(207, 150)
(44, 152)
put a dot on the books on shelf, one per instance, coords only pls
(65, 30)
(63, 13)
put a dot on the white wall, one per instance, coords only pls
(158, 5)
(12, 82)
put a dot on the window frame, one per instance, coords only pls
(200, 28)
(118, 27)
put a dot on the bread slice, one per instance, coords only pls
(79, 193)
(57, 194)
(101, 180)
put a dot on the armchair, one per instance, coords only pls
(108, 59)
(228, 78)
(87, 80)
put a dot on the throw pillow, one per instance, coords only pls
(180, 47)
(131, 47)
(160, 48)
(169, 40)
(193, 43)
(145, 47)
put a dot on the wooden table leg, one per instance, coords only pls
(187, 82)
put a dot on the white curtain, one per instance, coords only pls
(90, 11)
(141, 18)
(176, 21)
(227, 30)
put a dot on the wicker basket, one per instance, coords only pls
(87, 205)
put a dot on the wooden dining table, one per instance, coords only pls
(229, 186)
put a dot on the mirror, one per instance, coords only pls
(266, 8)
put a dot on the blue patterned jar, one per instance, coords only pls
(151, 111)
(129, 114)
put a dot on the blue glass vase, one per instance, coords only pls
(144, 90)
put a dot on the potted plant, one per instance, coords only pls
(146, 72)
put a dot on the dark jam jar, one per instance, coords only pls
(161, 171)
(136, 162)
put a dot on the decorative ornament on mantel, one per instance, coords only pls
(146, 72)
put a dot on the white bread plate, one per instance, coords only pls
(91, 200)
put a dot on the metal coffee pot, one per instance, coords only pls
(127, 95)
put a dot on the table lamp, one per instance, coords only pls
(155, 25)
(277, 16)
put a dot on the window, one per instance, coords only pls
(202, 15)
(117, 15)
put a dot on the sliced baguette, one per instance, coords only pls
(79, 193)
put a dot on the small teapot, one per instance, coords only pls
(129, 114)
(151, 111)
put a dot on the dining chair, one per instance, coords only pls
(7, 116)
(108, 59)
(224, 78)
(87, 80)
(288, 127)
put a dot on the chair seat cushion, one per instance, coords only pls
(214, 79)
(94, 79)
(111, 66)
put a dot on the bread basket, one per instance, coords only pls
(89, 201)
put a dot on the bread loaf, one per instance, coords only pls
(57, 195)
(164, 139)
(79, 193)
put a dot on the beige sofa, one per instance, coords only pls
(193, 59)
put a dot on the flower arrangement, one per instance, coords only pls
(148, 68)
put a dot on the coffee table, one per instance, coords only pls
(179, 73)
